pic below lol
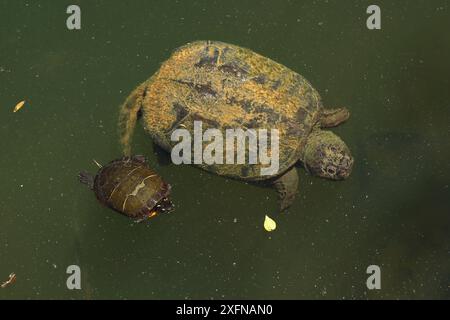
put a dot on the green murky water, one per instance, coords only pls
(392, 212)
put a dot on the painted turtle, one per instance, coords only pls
(130, 187)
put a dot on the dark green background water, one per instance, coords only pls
(392, 212)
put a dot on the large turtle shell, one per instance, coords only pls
(130, 187)
(226, 86)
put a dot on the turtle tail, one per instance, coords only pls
(128, 115)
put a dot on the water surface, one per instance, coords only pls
(392, 212)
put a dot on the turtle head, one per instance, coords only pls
(165, 205)
(327, 156)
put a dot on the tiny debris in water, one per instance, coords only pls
(269, 224)
(19, 106)
(11, 280)
(98, 164)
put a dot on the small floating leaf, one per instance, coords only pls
(19, 106)
(269, 224)
(11, 280)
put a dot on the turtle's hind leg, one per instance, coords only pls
(129, 114)
(333, 117)
(87, 179)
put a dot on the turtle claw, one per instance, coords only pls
(140, 220)
(87, 179)
(140, 158)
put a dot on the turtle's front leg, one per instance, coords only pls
(333, 117)
(287, 186)
(87, 179)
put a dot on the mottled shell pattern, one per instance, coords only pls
(226, 86)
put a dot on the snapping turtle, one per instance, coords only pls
(130, 187)
(226, 86)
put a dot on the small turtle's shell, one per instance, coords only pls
(130, 187)
(226, 86)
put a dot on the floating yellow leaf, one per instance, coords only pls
(11, 280)
(269, 224)
(19, 106)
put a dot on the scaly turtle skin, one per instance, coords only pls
(226, 86)
(130, 187)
